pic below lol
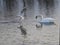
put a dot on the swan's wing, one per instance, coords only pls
(47, 20)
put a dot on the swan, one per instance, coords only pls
(45, 21)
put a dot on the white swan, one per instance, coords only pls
(45, 21)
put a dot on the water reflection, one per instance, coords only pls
(12, 8)
(30, 8)
(47, 6)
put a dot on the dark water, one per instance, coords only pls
(10, 9)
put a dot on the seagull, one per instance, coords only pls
(45, 21)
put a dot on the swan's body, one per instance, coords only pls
(45, 21)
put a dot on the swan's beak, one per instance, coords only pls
(36, 17)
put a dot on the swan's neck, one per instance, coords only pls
(40, 16)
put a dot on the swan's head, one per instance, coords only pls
(36, 17)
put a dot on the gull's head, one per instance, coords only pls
(20, 27)
(22, 17)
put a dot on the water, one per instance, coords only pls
(47, 35)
